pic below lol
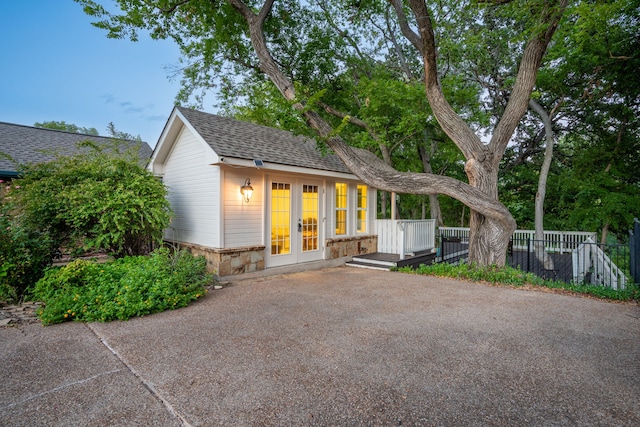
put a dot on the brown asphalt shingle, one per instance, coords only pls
(232, 138)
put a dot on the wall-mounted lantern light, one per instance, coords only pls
(246, 190)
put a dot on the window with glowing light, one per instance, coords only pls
(361, 220)
(280, 218)
(341, 208)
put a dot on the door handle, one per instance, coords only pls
(299, 226)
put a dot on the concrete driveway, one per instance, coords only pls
(339, 347)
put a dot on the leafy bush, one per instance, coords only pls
(98, 199)
(24, 254)
(130, 286)
(514, 277)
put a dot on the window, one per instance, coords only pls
(341, 208)
(361, 221)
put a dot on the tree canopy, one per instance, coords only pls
(68, 127)
(450, 81)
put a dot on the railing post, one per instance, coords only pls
(400, 225)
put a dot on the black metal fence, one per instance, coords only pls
(589, 263)
(608, 265)
(451, 250)
(634, 251)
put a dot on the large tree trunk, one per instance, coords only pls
(488, 237)
(539, 247)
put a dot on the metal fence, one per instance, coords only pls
(589, 263)
(634, 251)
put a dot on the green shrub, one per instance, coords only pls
(98, 199)
(514, 277)
(127, 287)
(24, 254)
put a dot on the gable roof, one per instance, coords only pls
(243, 140)
(27, 144)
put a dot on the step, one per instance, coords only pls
(369, 265)
(379, 262)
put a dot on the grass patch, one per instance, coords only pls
(518, 278)
(127, 287)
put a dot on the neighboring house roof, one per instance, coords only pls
(233, 138)
(27, 145)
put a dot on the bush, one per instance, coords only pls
(127, 287)
(24, 254)
(98, 199)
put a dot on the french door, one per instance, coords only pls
(295, 228)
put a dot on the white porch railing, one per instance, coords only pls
(554, 241)
(590, 258)
(405, 237)
(461, 233)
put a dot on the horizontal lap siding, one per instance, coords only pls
(193, 194)
(243, 221)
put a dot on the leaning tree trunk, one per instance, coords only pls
(539, 247)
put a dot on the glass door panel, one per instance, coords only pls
(310, 210)
(280, 218)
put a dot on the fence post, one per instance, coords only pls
(528, 252)
(634, 251)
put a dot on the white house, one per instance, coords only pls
(298, 205)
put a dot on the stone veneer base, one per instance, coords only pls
(227, 262)
(232, 261)
(339, 247)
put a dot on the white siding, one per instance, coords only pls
(243, 221)
(193, 192)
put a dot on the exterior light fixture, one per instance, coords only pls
(246, 190)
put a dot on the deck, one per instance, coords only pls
(386, 261)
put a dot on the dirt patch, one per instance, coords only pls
(17, 314)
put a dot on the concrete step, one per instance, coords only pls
(369, 260)
(370, 265)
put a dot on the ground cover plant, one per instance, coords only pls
(513, 277)
(130, 286)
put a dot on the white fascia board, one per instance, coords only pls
(275, 167)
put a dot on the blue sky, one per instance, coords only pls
(56, 66)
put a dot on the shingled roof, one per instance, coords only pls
(233, 138)
(27, 145)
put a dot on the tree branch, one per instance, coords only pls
(526, 78)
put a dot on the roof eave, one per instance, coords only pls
(278, 167)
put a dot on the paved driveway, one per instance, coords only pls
(338, 346)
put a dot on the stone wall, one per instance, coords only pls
(227, 262)
(351, 246)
